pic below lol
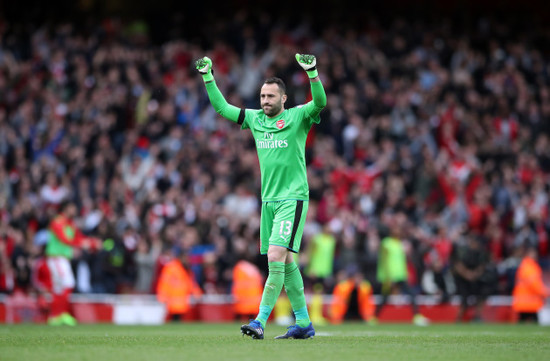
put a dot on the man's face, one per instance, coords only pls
(272, 99)
(70, 211)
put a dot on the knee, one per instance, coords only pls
(276, 254)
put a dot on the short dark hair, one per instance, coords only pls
(64, 205)
(278, 81)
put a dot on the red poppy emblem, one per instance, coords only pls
(280, 123)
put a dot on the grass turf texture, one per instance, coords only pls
(351, 341)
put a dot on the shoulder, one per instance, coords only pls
(251, 116)
(296, 109)
(297, 112)
(254, 112)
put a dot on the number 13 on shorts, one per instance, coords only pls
(282, 224)
(286, 228)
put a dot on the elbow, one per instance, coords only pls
(222, 109)
(223, 113)
(320, 98)
(322, 103)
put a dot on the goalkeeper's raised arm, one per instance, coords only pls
(235, 114)
(308, 63)
(221, 106)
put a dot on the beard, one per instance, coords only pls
(273, 110)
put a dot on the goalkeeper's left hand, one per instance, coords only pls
(308, 62)
(204, 66)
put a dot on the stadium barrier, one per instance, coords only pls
(146, 310)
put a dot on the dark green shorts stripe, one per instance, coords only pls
(297, 216)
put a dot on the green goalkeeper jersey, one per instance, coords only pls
(280, 142)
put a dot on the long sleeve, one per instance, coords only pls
(319, 99)
(318, 94)
(221, 106)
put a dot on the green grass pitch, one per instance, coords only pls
(212, 342)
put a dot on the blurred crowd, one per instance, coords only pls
(448, 126)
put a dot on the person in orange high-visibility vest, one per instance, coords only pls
(529, 291)
(176, 285)
(342, 297)
(247, 289)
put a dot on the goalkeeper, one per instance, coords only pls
(280, 135)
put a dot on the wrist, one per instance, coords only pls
(312, 73)
(207, 77)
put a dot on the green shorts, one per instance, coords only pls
(282, 224)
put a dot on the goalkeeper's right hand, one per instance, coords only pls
(204, 66)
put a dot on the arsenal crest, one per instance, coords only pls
(280, 123)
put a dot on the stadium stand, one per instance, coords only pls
(445, 120)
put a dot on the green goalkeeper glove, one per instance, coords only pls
(308, 62)
(204, 66)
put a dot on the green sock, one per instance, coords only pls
(294, 286)
(272, 289)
